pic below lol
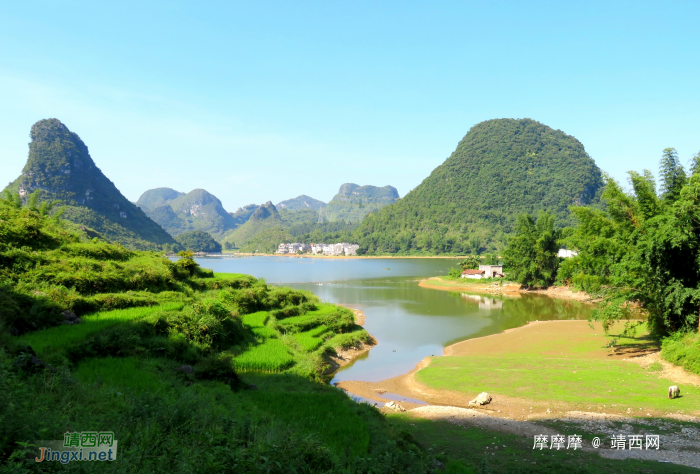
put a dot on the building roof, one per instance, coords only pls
(472, 272)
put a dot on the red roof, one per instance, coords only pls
(472, 272)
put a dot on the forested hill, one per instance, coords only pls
(60, 165)
(354, 202)
(500, 169)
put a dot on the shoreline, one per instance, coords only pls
(240, 254)
(505, 289)
(347, 356)
(504, 406)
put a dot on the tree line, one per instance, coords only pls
(640, 252)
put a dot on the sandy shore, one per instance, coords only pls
(503, 288)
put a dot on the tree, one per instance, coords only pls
(198, 241)
(470, 263)
(531, 255)
(673, 176)
(695, 163)
(641, 250)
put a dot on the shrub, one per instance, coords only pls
(683, 349)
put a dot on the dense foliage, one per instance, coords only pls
(644, 248)
(198, 241)
(59, 164)
(501, 169)
(266, 240)
(531, 256)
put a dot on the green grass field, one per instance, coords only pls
(574, 368)
(584, 383)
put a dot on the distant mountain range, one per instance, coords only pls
(263, 231)
(178, 212)
(500, 169)
(59, 164)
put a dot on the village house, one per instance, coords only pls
(484, 271)
(343, 248)
(292, 248)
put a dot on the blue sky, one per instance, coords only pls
(258, 101)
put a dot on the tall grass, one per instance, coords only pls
(58, 337)
(270, 356)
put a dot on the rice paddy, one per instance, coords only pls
(125, 373)
(270, 356)
(256, 320)
(58, 337)
(310, 340)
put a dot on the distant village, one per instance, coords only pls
(319, 249)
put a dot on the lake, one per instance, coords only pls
(409, 322)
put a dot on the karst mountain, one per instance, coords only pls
(60, 165)
(500, 169)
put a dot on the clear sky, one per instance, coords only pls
(258, 101)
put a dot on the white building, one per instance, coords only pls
(292, 248)
(484, 271)
(317, 248)
(566, 253)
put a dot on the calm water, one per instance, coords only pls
(408, 321)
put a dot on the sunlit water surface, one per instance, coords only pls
(409, 322)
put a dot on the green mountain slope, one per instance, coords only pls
(157, 197)
(264, 217)
(59, 164)
(500, 169)
(242, 215)
(301, 202)
(354, 202)
(178, 212)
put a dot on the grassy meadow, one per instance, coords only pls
(550, 366)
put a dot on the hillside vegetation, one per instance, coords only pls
(60, 166)
(502, 168)
(300, 203)
(193, 372)
(354, 202)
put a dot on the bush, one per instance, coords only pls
(683, 349)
